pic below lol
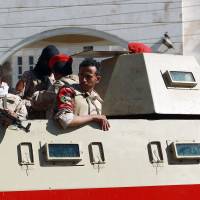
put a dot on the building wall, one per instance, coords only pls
(144, 21)
(130, 20)
(191, 28)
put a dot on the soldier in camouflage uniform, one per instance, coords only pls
(12, 104)
(40, 78)
(61, 66)
(80, 104)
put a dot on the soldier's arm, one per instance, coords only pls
(66, 117)
(101, 120)
(65, 106)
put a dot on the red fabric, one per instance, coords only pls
(61, 58)
(65, 99)
(136, 47)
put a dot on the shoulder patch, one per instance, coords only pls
(65, 99)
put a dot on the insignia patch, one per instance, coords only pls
(65, 99)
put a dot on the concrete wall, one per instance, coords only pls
(144, 21)
(191, 28)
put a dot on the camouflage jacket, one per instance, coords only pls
(32, 84)
(45, 100)
(14, 104)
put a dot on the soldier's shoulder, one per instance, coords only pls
(59, 83)
(13, 96)
(74, 78)
(70, 79)
(97, 96)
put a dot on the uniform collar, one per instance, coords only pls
(93, 95)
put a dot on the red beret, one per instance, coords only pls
(59, 58)
(137, 47)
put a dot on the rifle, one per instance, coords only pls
(15, 121)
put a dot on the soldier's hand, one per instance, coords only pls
(102, 121)
(11, 113)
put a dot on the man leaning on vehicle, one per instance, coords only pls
(80, 104)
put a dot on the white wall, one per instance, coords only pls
(191, 29)
(131, 20)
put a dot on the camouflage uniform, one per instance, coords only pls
(45, 100)
(14, 104)
(64, 81)
(73, 101)
(33, 84)
(11, 103)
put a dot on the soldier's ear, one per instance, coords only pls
(98, 78)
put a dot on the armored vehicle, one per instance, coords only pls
(152, 150)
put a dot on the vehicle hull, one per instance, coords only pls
(127, 173)
(178, 192)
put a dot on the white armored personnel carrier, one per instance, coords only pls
(152, 150)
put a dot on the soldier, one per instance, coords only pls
(61, 66)
(11, 106)
(80, 104)
(40, 78)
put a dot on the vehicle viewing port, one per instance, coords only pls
(179, 79)
(63, 152)
(186, 150)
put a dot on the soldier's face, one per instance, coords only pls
(88, 78)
